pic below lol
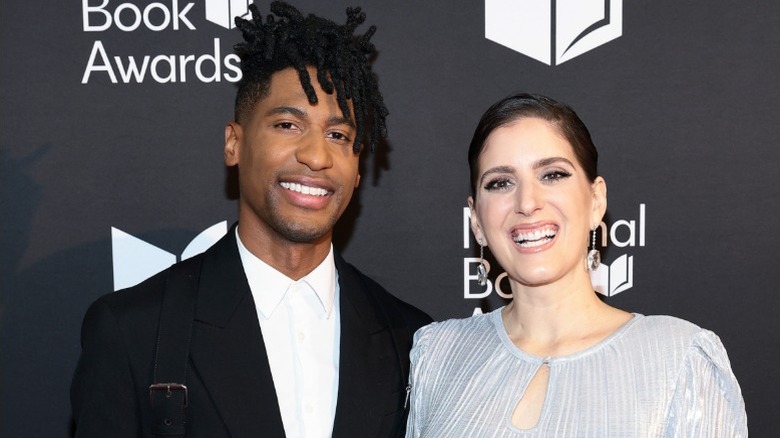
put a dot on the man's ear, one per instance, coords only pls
(233, 136)
(357, 180)
(476, 228)
(599, 189)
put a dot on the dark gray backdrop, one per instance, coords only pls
(683, 108)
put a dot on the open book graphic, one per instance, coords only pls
(615, 278)
(223, 12)
(135, 260)
(553, 31)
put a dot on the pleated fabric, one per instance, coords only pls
(657, 376)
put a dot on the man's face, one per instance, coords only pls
(296, 166)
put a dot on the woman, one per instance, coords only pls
(557, 361)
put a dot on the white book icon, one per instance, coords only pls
(135, 260)
(615, 278)
(224, 12)
(553, 31)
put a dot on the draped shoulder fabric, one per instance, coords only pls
(657, 376)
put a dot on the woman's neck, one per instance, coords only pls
(559, 318)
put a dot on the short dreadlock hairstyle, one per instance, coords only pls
(342, 59)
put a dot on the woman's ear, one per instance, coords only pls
(599, 189)
(476, 228)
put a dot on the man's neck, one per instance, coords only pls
(293, 259)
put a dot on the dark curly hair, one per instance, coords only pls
(342, 59)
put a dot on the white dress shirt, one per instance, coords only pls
(300, 322)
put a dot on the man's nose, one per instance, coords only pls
(315, 151)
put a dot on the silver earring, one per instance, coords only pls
(481, 270)
(594, 257)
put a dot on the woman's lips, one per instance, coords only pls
(534, 238)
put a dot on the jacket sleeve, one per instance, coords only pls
(102, 393)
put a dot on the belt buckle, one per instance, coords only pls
(169, 388)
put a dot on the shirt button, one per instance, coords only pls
(301, 336)
(309, 409)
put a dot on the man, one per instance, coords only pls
(270, 332)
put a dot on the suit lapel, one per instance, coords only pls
(368, 361)
(228, 351)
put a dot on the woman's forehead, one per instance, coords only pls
(525, 140)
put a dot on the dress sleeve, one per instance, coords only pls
(707, 401)
(102, 395)
(417, 380)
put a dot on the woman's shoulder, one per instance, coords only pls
(454, 329)
(672, 333)
(707, 399)
(668, 325)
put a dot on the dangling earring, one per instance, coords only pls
(594, 257)
(481, 270)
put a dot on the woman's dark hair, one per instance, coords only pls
(526, 105)
(287, 39)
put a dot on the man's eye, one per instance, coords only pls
(285, 125)
(339, 136)
(497, 184)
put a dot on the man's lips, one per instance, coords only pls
(307, 193)
(304, 189)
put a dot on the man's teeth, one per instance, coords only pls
(534, 238)
(306, 190)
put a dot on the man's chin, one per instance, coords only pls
(301, 233)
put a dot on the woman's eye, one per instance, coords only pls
(555, 175)
(498, 184)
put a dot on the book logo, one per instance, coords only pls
(553, 31)
(223, 12)
(135, 260)
(615, 278)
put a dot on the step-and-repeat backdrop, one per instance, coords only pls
(111, 162)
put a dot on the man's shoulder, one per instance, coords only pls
(145, 297)
(134, 301)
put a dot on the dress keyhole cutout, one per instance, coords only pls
(529, 408)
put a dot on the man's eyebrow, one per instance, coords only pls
(337, 120)
(297, 112)
(287, 110)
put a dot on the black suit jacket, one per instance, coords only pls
(231, 391)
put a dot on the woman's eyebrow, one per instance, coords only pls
(552, 160)
(497, 169)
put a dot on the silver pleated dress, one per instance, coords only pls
(657, 376)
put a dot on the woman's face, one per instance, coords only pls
(534, 205)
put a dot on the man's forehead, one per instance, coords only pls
(287, 82)
(286, 88)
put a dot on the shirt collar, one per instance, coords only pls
(269, 286)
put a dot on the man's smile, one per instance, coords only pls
(304, 189)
